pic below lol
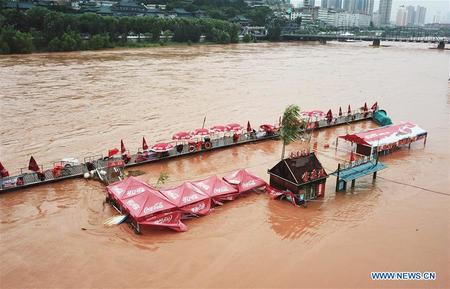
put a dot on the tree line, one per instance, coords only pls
(40, 29)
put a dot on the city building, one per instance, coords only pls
(343, 18)
(420, 15)
(331, 4)
(359, 6)
(401, 19)
(410, 15)
(253, 3)
(384, 12)
(309, 3)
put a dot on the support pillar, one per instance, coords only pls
(441, 45)
(353, 183)
(322, 41)
(376, 43)
(374, 176)
(337, 177)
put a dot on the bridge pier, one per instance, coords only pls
(322, 41)
(376, 43)
(441, 45)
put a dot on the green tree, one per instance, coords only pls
(13, 41)
(290, 126)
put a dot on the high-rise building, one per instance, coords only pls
(309, 3)
(401, 16)
(359, 6)
(384, 11)
(410, 15)
(331, 4)
(420, 15)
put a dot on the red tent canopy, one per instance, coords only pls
(244, 180)
(216, 188)
(146, 204)
(349, 110)
(182, 135)
(355, 139)
(139, 198)
(329, 114)
(189, 198)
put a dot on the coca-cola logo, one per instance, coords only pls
(203, 186)
(198, 207)
(155, 207)
(164, 220)
(135, 206)
(173, 195)
(117, 190)
(135, 191)
(189, 199)
(221, 190)
(248, 184)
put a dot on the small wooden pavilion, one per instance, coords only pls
(301, 174)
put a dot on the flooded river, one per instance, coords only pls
(82, 103)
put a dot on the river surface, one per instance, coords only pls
(82, 103)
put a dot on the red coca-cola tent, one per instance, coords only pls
(217, 189)
(189, 199)
(244, 181)
(145, 204)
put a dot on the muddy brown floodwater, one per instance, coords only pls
(74, 104)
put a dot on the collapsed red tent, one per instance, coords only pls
(145, 204)
(217, 189)
(189, 199)
(244, 180)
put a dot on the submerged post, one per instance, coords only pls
(376, 43)
(441, 45)
(337, 177)
(353, 183)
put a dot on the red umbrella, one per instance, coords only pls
(200, 132)
(144, 144)
(3, 172)
(267, 127)
(374, 106)
(365, 106)
(249, 127)
(112, 152)
(182, 135)
(313, 113)
(233, 127)
(122, 147)
(162, 147)
(218, 128)
(349, 110)
(340, 111)
(33, 166)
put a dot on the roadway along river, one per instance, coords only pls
(74, 104)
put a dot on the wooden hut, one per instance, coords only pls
(303, 175)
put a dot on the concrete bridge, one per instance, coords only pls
(376, 40)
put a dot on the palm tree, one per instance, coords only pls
(290, 126)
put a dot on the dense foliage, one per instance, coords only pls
(40, 29)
